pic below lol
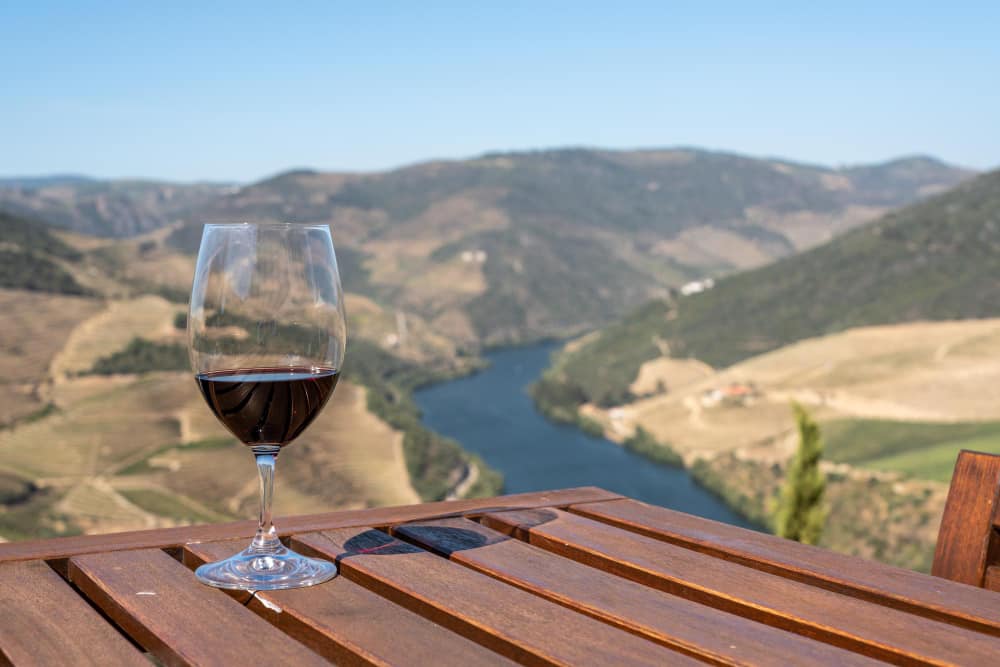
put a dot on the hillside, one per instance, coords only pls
(32, 258)
(922, 372)
(896, 403)
(937, 260)
(104, 208)
(515, 246)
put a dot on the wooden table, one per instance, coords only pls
(578, 576)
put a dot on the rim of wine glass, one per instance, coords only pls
(303, 225)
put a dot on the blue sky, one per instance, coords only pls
(242, 90)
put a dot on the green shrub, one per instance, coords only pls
(30, 271)
(35, 236)
(801, 513)
(14, 489)
(143, 356)
(644, 444)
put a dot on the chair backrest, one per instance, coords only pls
(968, 544)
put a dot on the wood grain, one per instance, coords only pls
(43, 621)
(967, 526)
(351, 625)
(512, 622)
(160, 604)
(893, 587)
(862, 626)
(992, 579)
(172, 538)
(695, 629)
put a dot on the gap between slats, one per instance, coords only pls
(64, 575)
(175, 617)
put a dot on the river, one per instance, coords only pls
(491, 414)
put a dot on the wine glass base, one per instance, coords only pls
(251, 570)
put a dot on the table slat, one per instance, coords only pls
(904, 589)
(503, 618)
(43, 621)
(696, 629)
(881, 632)
(169, 538)
(164, 608)
(350, 624)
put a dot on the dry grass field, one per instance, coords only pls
(147, 452)
(36, 327)
(405, 266)
(406, 334)
(665, 373)
(942, 372)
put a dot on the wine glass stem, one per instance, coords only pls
(266, 540)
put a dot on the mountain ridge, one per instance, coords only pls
(113, 208)
(41, 181)
(515, 246)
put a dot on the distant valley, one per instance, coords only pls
(443, 258)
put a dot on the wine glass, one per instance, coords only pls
(266, 333)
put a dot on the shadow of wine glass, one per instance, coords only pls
(437, 536)
(378, 543)
(445, 540)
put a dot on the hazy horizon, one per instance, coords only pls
(62, 174)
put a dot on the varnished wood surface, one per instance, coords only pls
(886, 585)
(574, 577)
(171, 538)
(160, 604)
(696, 629)
(841, 620)
(967, 539)
(503, 618)
(351, 625)
(992, 579)
(44, 622)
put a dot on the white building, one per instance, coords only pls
(696, 286)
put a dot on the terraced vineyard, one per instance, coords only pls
(105, 429)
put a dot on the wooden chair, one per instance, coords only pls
(968, 545)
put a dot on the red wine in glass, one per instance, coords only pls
(267, 335)
(267, 405)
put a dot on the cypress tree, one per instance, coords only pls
(800, 513)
